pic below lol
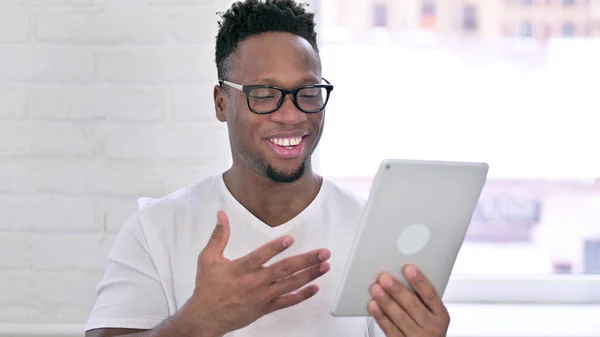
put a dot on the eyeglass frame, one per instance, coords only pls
(284, 92)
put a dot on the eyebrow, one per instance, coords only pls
(272, 81)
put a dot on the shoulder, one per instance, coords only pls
(199, 191)
(345, 194)
(179, 206)
(344, 199)
(138, 286)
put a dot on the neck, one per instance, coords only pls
(271, 202)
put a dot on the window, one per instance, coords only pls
(380, 16)
(428, 9)
(525, 29)
(591, 251)
(568, 29)
(469, 19)
(534, 234)
(428, 15)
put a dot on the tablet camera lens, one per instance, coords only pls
(387, 166)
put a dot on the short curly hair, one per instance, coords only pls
(253, 17)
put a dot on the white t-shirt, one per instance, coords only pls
(152, 264)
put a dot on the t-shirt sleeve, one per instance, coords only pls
(130, 294)
(373, 329)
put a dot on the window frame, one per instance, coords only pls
(554, 289)
(550, 289)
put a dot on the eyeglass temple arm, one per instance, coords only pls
(233, 85)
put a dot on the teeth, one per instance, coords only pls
(287, 141)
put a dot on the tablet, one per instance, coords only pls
(418, 212)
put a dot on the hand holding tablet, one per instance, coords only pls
(417, 214)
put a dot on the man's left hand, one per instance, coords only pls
(402, 313)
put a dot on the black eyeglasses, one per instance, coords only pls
(265, 99)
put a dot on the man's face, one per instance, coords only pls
(277, 145)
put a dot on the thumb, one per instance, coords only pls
(220, 235)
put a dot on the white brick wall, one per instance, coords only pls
(101, 101)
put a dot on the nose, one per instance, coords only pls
(288, 113)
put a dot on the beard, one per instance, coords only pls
(284, 177)
(262, 167)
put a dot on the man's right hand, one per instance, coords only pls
(230, 295)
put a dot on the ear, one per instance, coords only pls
(220, 103)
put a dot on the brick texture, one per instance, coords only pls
(14, 27)
(102, 102)
(120, 104)
(15, 102)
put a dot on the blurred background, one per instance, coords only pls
(508, 82)
(105, 101)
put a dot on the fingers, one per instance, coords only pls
(389, 328)
(394, 311)
(219, 237)
(425, 290)
(296, 263)
(292, 299)
(406, 299)
(294, 282)
(257, 258)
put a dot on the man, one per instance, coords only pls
(272, 263)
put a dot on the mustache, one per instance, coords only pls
(287, 132)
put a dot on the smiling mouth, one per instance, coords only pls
(288, 147)
(288, 143)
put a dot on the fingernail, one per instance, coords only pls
(411, 272)
(386, 281)
(324, 255)
(324, 268)
(374, 308)
(377, 291)
(287, 241)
